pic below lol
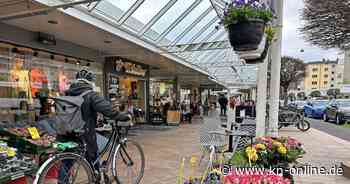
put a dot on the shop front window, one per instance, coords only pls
(26, 82)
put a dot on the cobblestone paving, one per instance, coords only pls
(164, 150)
(323, 150)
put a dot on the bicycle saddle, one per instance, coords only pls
(123, 117)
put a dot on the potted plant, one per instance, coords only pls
(270, 34)
(245, 21)
(269, 152)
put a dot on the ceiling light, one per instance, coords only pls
(88, 64)
(52, 57)
(78, 62)
(52, 22)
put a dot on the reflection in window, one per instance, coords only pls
(145, 13)
(168, 18)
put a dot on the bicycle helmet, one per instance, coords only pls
(85, 75)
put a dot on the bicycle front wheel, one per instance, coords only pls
(128, 163)
(67, 168)
(304, 125)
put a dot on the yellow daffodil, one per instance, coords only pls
(217, 172)
(282, 150)
(251, 153)
(261, 146)
(276, 143)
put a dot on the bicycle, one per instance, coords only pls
(67, 166)
(287, 117)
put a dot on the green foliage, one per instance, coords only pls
(292, 70)
(270, 33)
(239, 159)
(346, 125)
(246, 13)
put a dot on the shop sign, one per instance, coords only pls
(129, 68)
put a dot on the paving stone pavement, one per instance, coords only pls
(323, 150)
(164, 150)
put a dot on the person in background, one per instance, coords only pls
(223, 104)
(232, 103)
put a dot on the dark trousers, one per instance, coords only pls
(223, 110)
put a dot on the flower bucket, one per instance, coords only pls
(262, 56)
(246, 35)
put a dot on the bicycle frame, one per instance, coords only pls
(113, 143)
(296, 118)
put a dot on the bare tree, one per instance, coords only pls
(292, 70)
(327, 23)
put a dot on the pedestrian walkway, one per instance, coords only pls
(323, 150)
(164, 150)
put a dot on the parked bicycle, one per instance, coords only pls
(288, 117)
(124, 164)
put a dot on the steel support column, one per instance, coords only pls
(261, 99)
(275, 52)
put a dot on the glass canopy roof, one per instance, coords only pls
(187, 28)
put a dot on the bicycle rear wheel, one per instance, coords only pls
(128, 163)
(65, 168)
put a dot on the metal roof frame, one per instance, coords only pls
(212, 51)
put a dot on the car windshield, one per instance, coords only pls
(344, 103)
(319, 103)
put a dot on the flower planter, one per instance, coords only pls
(246, 35)
(262, 57)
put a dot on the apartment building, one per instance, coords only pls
(323, 75)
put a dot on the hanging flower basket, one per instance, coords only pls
(245, 21)
(247, 35)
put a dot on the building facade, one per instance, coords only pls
(323, 75)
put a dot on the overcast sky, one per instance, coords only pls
(292, 39)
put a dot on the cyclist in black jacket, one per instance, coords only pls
(93, 103)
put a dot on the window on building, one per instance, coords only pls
(314, 83)
(332, 85)
(326, 76)
(314, 69)
(314, 76)
(325, 69)
(333, 66)
(332, 79)
(339, 76)
(333, 72)
(325, 82)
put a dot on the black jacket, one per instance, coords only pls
(223, 101)
(93, 103)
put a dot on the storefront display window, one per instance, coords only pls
(127, 87)
(26, 79)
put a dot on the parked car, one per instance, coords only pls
(337, 110)
(315, 108)
(299, 104)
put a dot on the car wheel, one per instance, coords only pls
(338, 120)
(325, 117)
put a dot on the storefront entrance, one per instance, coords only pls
(127, 86)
